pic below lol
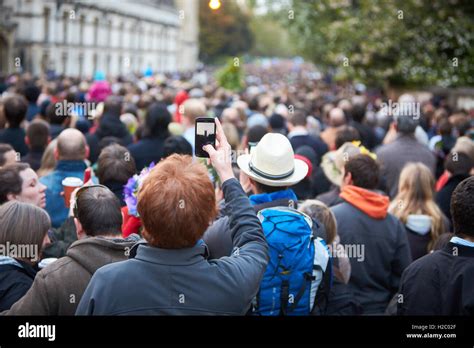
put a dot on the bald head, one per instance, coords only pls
(337, 117)
(71, 145)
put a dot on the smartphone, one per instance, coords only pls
(205, 133)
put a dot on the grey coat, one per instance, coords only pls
(183, 282)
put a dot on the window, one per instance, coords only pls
(82, 20)
(96, 31)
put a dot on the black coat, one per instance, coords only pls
(15, 281)
(443, 197)
(16, 138)
(146, 151)
(440, 283)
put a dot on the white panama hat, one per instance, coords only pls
(272, 162)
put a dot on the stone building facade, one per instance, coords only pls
(79, 37)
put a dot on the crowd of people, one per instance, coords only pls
(315, 200)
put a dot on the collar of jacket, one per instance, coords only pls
(71, 166)
(270, 197)
(459, 250)
(172, 257)
(24, 266)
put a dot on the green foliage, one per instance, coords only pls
(271, 39)
(397, 42)
(231, 76)
(223, 32)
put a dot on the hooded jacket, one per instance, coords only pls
(58, 288)
(16, 277)
(377, 246)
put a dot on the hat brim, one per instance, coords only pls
(301, 170)
(329, 168)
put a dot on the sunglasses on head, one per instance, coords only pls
(75, 208)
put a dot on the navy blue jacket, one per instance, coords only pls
(16, 278)
(146, 151)
(184, 282)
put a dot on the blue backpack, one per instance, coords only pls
(298, 274)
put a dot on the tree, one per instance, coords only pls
(397, 42)
(223, 32)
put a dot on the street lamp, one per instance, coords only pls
(214, 4)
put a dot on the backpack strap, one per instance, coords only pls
(284, 296)
(309, 278)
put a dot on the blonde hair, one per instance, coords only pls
(194, 108)
(415, 196)
(48, 162)
(319, 211)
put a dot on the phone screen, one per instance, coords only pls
(205, 133)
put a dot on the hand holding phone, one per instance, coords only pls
(205, 134)
(220, 154)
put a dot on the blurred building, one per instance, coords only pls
(114, 36)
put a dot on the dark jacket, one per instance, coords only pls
(33, 158)
(331, 198)
(315, 143)
(443, 197)
(58, 288)
(16, 138)
(184, 282)
(383, 254)
(440, 283)
(16, 278)
(110, 126)
(146, 151)
(396, 155)
(418, 243)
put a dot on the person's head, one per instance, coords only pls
(18, 182)
(346, 134)
(462, 209)
(361, 171)
(176, 203)
(271, 166)
(177, 145)
(336, 118)
(406, 124)
(48, 161)
(24, 224)
(192, 109)
(54, 117)
(358, 113)
(115, 164)
(31, 93)
(231, 116)
(458, 163)
(318, 211)
(296, 119)
(71, 146)
(97, 212)
(415, 197)
(232, 135)
(157, 120)
(7, 155)
(37, 135)
(445, 127)
(255, 134)
(113, 106)
(15, 108)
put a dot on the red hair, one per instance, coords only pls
(176, 203)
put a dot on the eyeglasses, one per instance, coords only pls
(75, 208)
